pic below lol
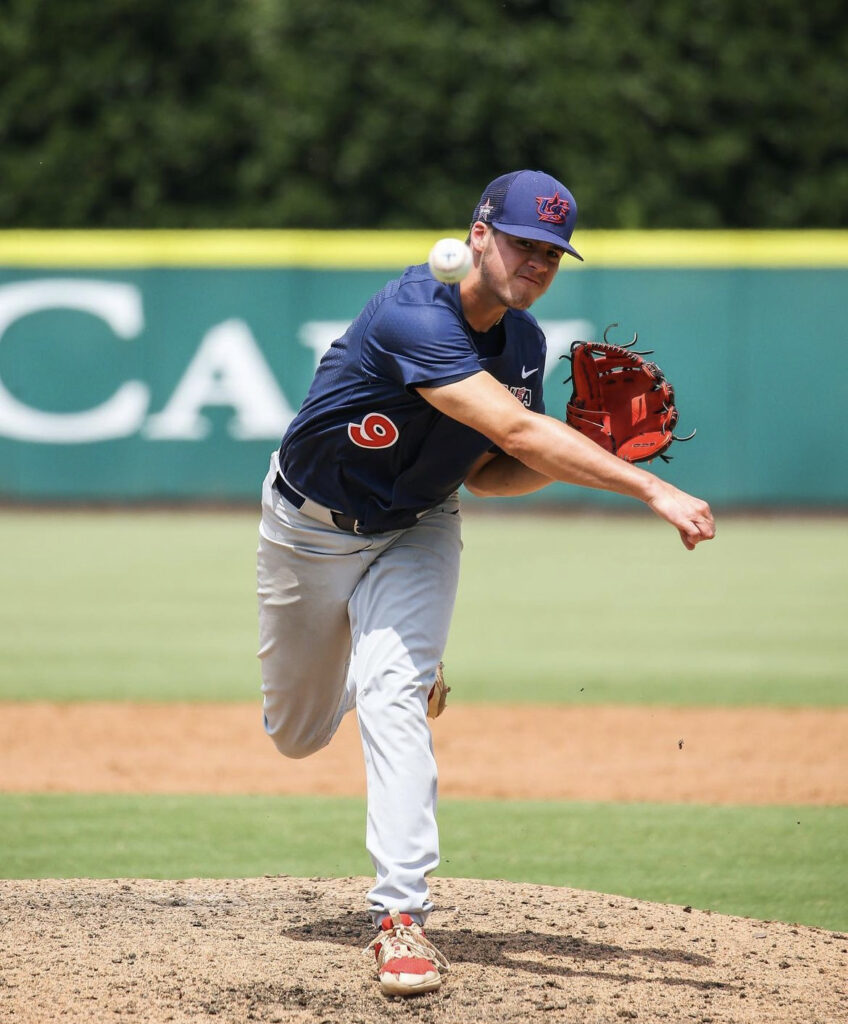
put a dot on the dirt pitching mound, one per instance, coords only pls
(282, 949)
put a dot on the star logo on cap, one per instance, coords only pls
(552, 209)
(485, 210)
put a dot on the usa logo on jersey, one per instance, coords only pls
(552, 209)
(524, 395)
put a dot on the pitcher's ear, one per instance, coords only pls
(477, 236)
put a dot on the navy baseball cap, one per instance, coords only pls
(530, 204)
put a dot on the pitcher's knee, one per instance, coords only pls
(293, 739)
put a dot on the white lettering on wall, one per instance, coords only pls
(227, 369)
(119, 305)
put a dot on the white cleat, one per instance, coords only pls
(408, 963)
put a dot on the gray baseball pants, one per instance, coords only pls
(362, 621)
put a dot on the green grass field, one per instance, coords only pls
(160, 605)
(777, 863)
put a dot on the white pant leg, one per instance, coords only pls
(306, 573)
(389, 598)
(400, 614)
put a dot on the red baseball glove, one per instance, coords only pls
(621, 401)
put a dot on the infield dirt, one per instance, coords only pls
(701, 755)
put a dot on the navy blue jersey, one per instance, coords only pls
(364, 441)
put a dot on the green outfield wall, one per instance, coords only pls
(165, 365)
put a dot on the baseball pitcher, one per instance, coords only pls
(433, 385)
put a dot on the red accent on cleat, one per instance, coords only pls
(408, 965)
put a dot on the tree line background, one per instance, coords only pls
(387, 114)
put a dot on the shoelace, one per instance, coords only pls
(407, 940)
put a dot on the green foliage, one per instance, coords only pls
(125, 112)
(777, 863)
(270, 113)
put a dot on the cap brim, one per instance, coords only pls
(538, 235)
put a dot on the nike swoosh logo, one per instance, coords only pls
(528, 373)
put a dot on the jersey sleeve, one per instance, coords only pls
(418, 345)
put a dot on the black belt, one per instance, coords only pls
(312, 509)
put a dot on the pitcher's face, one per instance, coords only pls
(517, 271)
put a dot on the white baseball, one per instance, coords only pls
(450, 260)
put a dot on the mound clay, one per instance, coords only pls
(285, 949)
